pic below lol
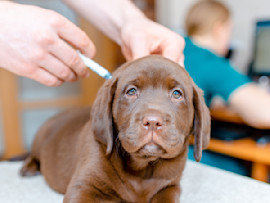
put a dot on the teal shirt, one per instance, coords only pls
(213, 74)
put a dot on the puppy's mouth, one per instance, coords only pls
(151, 150)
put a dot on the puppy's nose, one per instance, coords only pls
(152, 122)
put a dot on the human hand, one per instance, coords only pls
(143, 37)
(37, 43)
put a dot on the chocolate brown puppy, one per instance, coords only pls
(133, 146)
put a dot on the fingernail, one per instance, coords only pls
(72, 77)
(182, 64)
(87, 74)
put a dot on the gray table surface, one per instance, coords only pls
(200, 183)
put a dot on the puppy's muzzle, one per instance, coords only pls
(152, 127)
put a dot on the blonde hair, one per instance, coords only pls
(203, 15)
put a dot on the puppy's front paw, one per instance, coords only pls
(30, 167)
(170, 194)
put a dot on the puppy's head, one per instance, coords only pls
(151, 106)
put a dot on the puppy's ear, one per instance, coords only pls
(202, 123)
(101, 114)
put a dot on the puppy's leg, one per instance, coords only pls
(80, 196)
(87, 198)
(82, 190)
(170, 194)
(31, 167)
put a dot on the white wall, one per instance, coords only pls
(56, 5)
(171, 13)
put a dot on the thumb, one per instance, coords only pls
(181, 61)
(173, 49)
(172, 52)
(139, 48)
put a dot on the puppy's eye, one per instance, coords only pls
(177, 94)
(131, 92)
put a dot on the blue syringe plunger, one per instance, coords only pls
(94, 66)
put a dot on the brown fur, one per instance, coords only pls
(133, 147)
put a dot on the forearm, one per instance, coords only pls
(126, 24)
(253, 104)
(109, 16)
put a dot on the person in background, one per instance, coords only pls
(40, 44)
(208, 25)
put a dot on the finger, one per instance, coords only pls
(67, 55)
(126, 52)
(139, 47)
(172, 52)
(44, 77)
(77, 38)
(182, 60)
(173, 49)
(54, 66)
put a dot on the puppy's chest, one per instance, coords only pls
(142, 190)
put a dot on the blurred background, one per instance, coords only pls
(245, 14)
